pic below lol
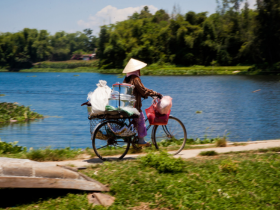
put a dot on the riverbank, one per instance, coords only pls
(246, 180)
(12, 150)
(158, 71)
(153, 69)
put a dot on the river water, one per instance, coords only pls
(228, 106)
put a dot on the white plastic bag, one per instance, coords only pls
(99, 98)
(164, 105)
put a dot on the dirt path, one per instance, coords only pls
(183, 154)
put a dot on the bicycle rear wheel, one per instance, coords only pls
(171, 137)
(106, 143)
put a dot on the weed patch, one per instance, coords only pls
(11, 148)
(14, 112)
(208, 153)
(163, 162)
(228, 166)
(221, 142)
(49, 154)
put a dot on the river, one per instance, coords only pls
(227, 105)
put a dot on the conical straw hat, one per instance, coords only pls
(133, 65)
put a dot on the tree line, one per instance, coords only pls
(24, 48)
(233, 35)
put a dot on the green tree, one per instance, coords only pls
(268, 30)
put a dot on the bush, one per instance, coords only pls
(68, 64)
(163, 162)
(208, 153)
(228, 166)
(49, 154)
(221, 142)
(12, 111)
(11, 148)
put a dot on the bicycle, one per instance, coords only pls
(106, 142)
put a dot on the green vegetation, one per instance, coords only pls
(70, 64)
(163, 162)
(14, 112)
(221, 142)
(11, 148)
(231, 36)
(160, 70)
(208, 153)
(25, 48)
(232, 181)
(228, 166)
(49, 154)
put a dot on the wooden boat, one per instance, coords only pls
(24, 173)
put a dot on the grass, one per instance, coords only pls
(228, 181)
(14, 112)
(70, 64)
(224, 70)
(12, 150)
(221, 142)
(208, 153)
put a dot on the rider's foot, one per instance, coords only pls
(146, 144)
(143, 143)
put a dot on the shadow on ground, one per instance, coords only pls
(16, 197)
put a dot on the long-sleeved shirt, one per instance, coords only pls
(139, 91)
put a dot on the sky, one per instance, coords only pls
(73, 15)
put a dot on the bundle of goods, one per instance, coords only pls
(121, 98)
(99, 98)
(104, 99)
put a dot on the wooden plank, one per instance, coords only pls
(28, 182)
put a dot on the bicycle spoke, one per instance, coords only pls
(116, 146)
(171, 136)
(103, 147)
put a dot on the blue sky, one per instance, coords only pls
(75, 15)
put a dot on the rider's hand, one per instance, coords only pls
(159, 95)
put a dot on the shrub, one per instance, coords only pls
(12, 111)
(163, 162)
(11, 148)
(208, 153)
(228, 166)
(52, 154)
(68, 64)
(221, 142)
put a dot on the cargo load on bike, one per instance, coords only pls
(116, 118)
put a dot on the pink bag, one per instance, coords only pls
(164, 105)
(154, 117)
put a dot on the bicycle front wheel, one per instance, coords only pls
(106, 143)
(171, 137)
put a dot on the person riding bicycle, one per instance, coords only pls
(132, 77)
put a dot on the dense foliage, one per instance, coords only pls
(11, 148)
(14, 112)
(193, 38)
(230, 36)
(26, 47)
(163, 162)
